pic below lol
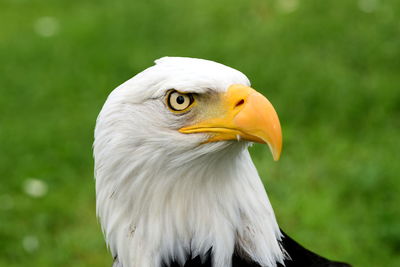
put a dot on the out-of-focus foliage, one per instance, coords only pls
(331, 68)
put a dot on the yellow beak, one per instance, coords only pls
(244, 114)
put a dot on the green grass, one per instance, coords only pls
(331, 70)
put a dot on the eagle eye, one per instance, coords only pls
(179, 102)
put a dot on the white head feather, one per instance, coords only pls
(162, 194)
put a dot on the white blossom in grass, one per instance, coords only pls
(46, 26)
(30, 243)
(368, 6)
(35, 187)
(288, 6)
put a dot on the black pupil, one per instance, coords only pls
(180, 99)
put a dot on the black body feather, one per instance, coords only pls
(300, 257)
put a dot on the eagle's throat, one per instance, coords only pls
(153, 212)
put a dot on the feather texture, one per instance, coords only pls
(166, 198)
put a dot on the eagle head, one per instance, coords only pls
(174, 178)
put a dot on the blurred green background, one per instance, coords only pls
(331, 69)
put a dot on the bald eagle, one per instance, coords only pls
(175, 183)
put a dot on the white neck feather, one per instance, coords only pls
(154, 209)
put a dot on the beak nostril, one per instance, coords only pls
(239, 103)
